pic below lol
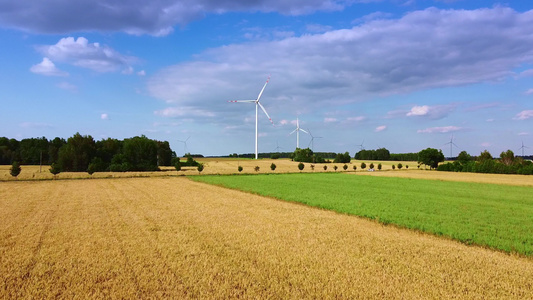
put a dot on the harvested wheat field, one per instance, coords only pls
(174, 238)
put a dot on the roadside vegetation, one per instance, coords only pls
(494, 216)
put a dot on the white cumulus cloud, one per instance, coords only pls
(418, 111)
(380, 128)
(79, 52)
(47, 68)
(524, 115)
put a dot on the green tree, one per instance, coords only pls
(342, 158)
(54, 169)
(363, 165)
(76, 155)
(164, 153)
(507, 157)
(273, 166)
(140, 153)
(393, 167)
(325, 168)
(15, 169)
(200, 168)
(345, 167)
(256, 168)
(301, 166)
(335, 168)
(400, 166)
(371, 166)
(463, 158)
(177, 163)
(484, 156)
(379, 166)
(430, 157)
(239, 169)
(354, 167)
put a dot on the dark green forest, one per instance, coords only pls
(81, 153)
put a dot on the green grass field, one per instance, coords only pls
(491, 215)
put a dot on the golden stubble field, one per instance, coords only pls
(174, 238)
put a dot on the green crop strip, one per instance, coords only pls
(495, 216)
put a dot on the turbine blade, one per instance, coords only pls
(293, 131)
(235, 101)
(264, 110)
(304, 131)
(264, 86)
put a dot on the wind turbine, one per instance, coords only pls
(297, 130)
(361, 147)
(277, 147)
(522, 148)
(185, 149)
(312, 140)
(451, 146)
(257, 103)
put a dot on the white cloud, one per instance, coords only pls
(529, 92)
(47, 68)
(104, 116)
(444, 129)
(523, 133)
(141, 73)
(79, 52)
(486, 144)
(330, 120)
(380, 128)
(432, 112)
(489, 120)
(524, 115)
(418, 111)
(419, 51)
(138, 16)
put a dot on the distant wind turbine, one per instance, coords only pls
(277, 147)
(297, 130)
(522, 148)
(312, 140)
(361, 147)
(185, 149)
(257, 104)
(451, 143)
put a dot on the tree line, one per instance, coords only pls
(81, 153)
(507, 163)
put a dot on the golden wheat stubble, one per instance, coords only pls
(170, 237)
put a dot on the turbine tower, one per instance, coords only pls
(185, 149)
(312, 140)
(361, 147)
(522, 148)
(297, 130)
(257, 104)
(451, 145)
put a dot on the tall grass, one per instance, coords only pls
(495, 216)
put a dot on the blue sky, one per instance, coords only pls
(399, 74)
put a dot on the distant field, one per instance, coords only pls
(172, 238)
(495, 216)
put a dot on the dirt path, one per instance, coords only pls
(173, 238)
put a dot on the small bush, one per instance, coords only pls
(400, 166)
(312, 167)
(345, 167)
(363, 165)
(393, 167)
(177, 165)
(301, 166)
(240, 169)
(325, 168)
(54, 169)
(273, 166)
(407, 166)
(200, 168)
(371, 166)
(274, 156)
(15, 169)
(256, 168)
(355, 168)
(379, 166)
(335, 168)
